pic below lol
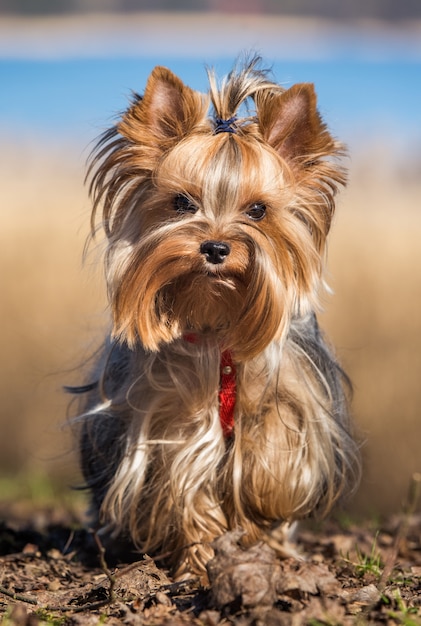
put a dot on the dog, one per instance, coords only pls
(216, 403)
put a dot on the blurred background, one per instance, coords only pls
(67, 67)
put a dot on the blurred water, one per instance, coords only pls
(77, 98)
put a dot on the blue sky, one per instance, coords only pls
(67, 82)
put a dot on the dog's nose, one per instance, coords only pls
(215, 251)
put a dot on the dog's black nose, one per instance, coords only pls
(215, 251)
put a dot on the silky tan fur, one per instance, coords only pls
(161, 472)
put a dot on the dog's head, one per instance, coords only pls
(216, 223)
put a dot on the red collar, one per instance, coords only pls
(227, 392)
(227, 388)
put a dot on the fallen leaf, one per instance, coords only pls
(247, 576)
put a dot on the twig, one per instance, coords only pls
(105, 568)
(171, 588)
(180, 585)
(402, 530)
(50, 607)
(17, 596)
(69, 607)
(68, 542)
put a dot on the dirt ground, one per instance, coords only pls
(52, 571)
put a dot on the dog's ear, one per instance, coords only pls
(291, 124)
(167, 111)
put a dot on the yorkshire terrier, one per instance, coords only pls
(217, 403)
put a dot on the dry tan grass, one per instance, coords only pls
(52, 314)
(374, 318)
(51, 309)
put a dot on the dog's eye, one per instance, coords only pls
(184, 204)
(256, 211)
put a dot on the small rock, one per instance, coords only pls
(31, 548)
(210, 618)
(55, 554)
(162, 598)
(54, 585)
(366, 595)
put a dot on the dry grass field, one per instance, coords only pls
(53, 309)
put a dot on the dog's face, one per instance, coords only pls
(215, 233)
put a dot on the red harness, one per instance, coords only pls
(227, 388)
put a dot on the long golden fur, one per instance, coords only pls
(260, 191)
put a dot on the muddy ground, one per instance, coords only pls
(51, 571)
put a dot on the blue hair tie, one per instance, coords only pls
(225, 126)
